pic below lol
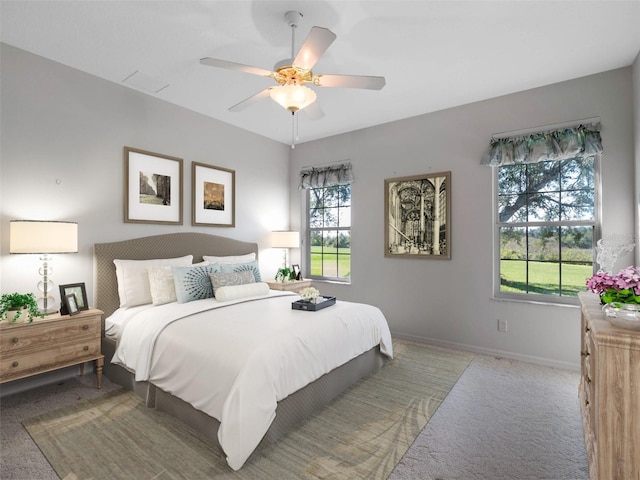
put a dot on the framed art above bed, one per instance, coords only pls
(152, 188)
(213, 196)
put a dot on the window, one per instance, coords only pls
(546, 224)
(329, 228)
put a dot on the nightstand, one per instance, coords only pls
(50, 343)
(292, 286)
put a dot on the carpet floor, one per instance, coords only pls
(503, 420)
(361, 435)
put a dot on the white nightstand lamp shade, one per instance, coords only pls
(285, 240)
(44, 238)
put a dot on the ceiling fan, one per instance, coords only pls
(294, 73)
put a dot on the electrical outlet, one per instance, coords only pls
(502, 325)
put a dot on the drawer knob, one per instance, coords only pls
(15, 340)
(85, 327)
(584, 354)
(86, 348)
(15, 364)
(587, 379)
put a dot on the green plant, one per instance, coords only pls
(284, 274)
(20, 301)
(623, 287)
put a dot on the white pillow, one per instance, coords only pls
(235, 292)
(161, 284)
(133, 278)
(249, 257)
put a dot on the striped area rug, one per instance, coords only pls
(361, 435)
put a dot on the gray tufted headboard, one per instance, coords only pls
(158, 246)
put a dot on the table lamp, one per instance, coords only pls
(44, 238)
(285, 240)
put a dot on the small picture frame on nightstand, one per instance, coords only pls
(71, 303)
(296, 272)
(81, 296)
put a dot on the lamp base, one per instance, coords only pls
(49, 311)
(47, 306)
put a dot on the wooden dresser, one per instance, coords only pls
(50, 343)
(609, 394)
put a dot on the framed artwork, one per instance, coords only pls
(71, 303)
(213, 196)
(417, 216)
(80, 292)
(296, 272)
(152, 188)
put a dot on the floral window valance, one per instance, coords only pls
(326, 176)
(574, 142)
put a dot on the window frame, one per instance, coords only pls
(498, 294)
(307, 239)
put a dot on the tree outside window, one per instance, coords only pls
(546, 217)
(329, 221)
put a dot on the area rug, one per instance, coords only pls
(360, 435)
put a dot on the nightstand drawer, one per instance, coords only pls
(38, 334)
(51, 358)
(50, 343)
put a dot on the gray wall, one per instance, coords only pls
(63, 133)
(61, 124)
(450, 301)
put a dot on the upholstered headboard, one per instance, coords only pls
(158, 246)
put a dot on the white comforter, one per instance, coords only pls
(235, 363)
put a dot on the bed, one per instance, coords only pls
(277, 339)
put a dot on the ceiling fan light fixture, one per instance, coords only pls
(293, 97)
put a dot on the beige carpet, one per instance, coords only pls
(363, 434)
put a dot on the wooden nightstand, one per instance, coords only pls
(50, 343)
(293, 286)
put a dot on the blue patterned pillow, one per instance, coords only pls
(241, 267)
(193, 283)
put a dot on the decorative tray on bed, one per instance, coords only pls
(312, 306)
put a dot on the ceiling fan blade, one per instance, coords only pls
(314, 111)
(216, 62)
(316, 43)
(247, 102)
(349, 81)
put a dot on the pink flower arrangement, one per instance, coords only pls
(623, 287)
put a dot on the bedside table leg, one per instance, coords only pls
(81, 369)
(99, 365)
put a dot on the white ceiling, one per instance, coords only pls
(433, 54)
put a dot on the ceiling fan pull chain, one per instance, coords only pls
(293, 130)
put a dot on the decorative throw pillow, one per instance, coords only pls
(235, 292)
(193, 283)
(241, 267)
(133, 278)
(229, 279)
(161, 285)
(163, 289)
(249, 257)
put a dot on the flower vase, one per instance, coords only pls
(623, 315)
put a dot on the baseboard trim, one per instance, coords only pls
(545, 362)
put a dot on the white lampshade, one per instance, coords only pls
(285, 239)
(293, 97)
(35, 236)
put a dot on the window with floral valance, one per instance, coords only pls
(328, 227)
(315, 177)
(545, 210)
(574, 142)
